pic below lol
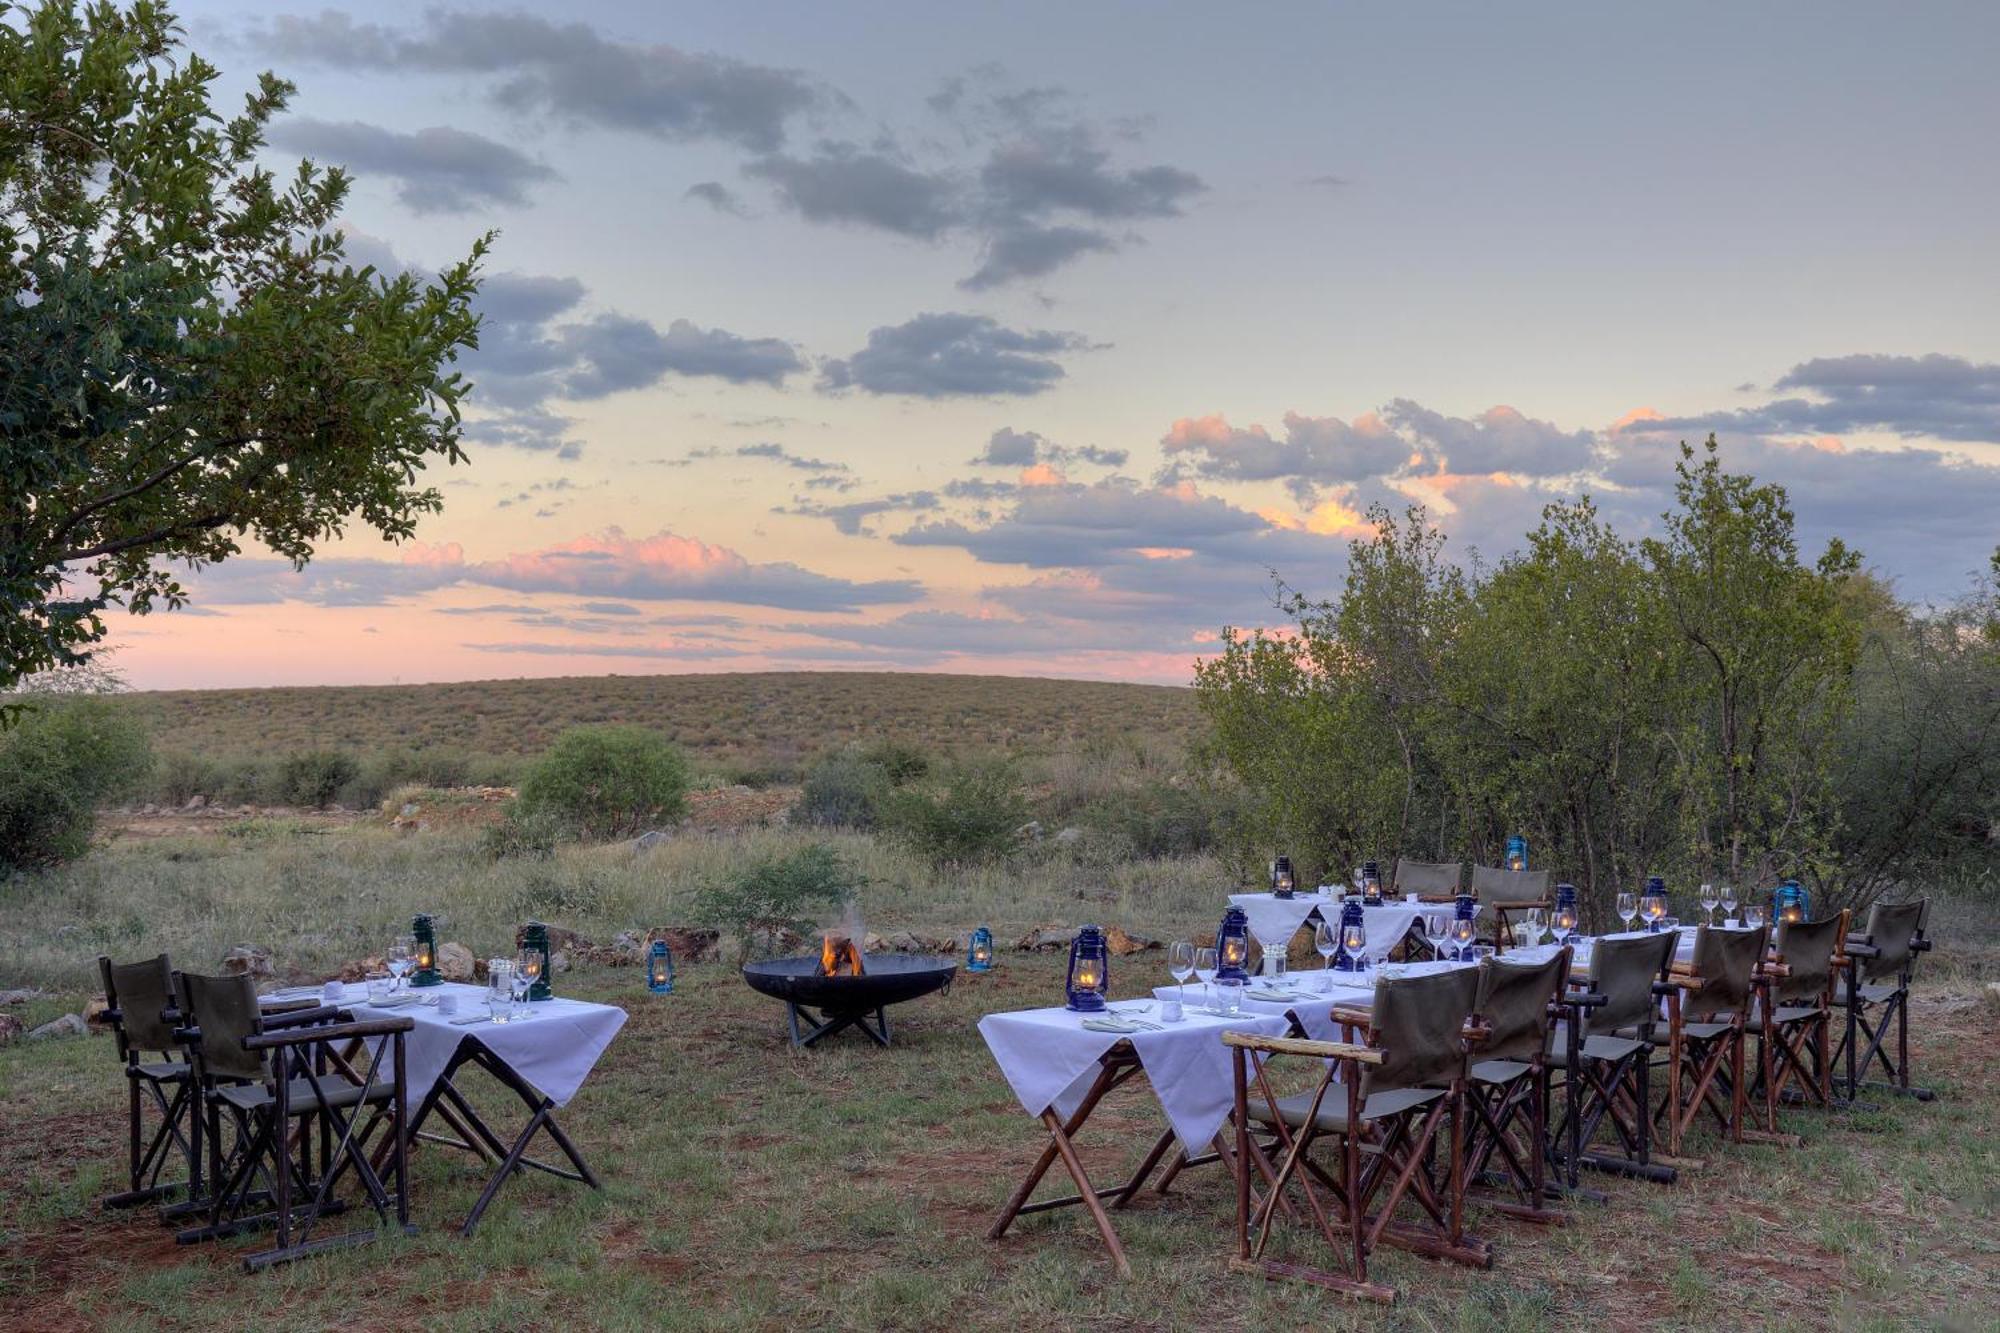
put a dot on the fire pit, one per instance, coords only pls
(846, 986)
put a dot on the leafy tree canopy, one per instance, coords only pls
(189, 360)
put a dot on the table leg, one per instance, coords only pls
(1087, 1191)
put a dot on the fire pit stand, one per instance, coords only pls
(847, 1001)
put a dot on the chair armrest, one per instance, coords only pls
(357, 1028)
(1921, 945)
(1330, 1050)
(1358, 1018)
(1861, 948)
(1584, 1000)
(1675, 984)
(291, 1018)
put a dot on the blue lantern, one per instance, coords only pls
(1653, 902)
(660, 968)
(1282, 881)
(1089, 971)
(1517, 852)
(1232, 946)
(1371, 881)
(1790, 903)
(1564, 919)
(979, 955)
(1350, 916)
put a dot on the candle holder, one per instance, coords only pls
(1089, 972)
(1283, 885)
(1790, 905)
(423, 958)
(1517, 852)
(1232, 945)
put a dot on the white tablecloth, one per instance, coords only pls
(1582, 944)
(1278, 919)
(1050, 1060)
(555, 1048)
(1314, 1015)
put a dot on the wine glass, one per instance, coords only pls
(1561, 923)
(1708, 901)
(399, 958)
(1463, 931)
(1753, 915)
(1437, 929)
(1354, 939)
(1180, 961)
(1655, 911)
(1204, 969)
(1628, 910)
(1728, 897)
(1326, 941)
(521, 979)
(1529, 927)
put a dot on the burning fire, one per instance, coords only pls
(839, 955)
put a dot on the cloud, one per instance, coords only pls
(778, 453)
(1008, 447)
(850, 518)
(1017, 252)
(718, 197)
(843, 183)
(1935, 397)
(1316, 451)
(565, 70)
(610, 353)
(953, 355)
(436, 170)
(664, 651)
(1500, 439)
(1326, 182)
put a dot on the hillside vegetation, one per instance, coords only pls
(740, 720)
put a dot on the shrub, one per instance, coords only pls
(975, 813)
(843, 791)
(529, 834)
(58, 763)
(606, 782)
(1157, 819)
(901, 763)
(779, 892)
(315, 777)
(181, 776)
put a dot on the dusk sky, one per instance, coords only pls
(1029, 338)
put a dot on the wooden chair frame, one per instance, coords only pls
(1495, 1110)
(1707, 1071)
(1800, 1050)
(1894, 1009)
(179, 1127)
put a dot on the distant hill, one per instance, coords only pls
(770, 717)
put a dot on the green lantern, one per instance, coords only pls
(424, 958)
(533, 959)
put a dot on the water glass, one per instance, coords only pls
(1229, 996)
(519, 982)
(380, 988)
(1753, 915)
(499, 989)
(1204, 969)
(1180, 962)
(447, 1004)
(1628, 910)
(399, 957)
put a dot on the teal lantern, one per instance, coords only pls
(1517, 852)
(534, 959)
(1789, 903)
(424, 960)
(660, 968)
(979, 954)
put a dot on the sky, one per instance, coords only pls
(1035, 338)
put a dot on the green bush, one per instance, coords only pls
(525, 834)
(901, 763)
(180, 776)
(59, 762)
(315, 777)
(779, 892)
(606, 782)
(974, 813)
(1156, 819)
(843, 791)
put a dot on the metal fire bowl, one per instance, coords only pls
(887, 978)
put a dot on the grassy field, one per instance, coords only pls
(751, 1187)
(744, 719)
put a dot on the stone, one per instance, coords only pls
(94, 1013)
(22, 996)
(454, 961)
(774, 942)
(647, 841)
(360, 969)
(247, 960)
(1029, 832)
(409, 810)
(1123, 943)
(149, 809)
(691, 944)
(69, 1025)
(1042, 939)
(196, 803)
(558, 962)
(1068, 837)
(560, 937)
(10, 1028)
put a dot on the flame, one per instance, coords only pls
(839, 955)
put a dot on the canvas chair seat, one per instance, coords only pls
(162, 1071)
(1499, 1071)
(1704, 1031)
(337, 1092)
(1871, 993)
(1333, 1118)
(1787, 1014)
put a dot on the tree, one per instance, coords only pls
(72, 755)
(605, 782)
(189, 361)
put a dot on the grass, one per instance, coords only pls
(751, 1187)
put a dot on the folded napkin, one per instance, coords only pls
(398, 1002)
(464, 1020)
(1277, 996)
(1123, 1026)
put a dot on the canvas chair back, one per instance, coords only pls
(1514, 1001)
(1496, 886)
(1624, 972)
(1891, 927)
(142, 993)
(1419, 1024)
(1807, 948)
(225, 1009)
(1430, 877)
(1725, 962)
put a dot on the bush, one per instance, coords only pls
(606, 782)
(974, 814)
(844, 791)
(58, 763)
(1157, 819)
(530, 834)
(899, 762)
(181, 776)
(315, 777)
(779, 893)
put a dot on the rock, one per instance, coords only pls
(95, 1011)
(69, 1025)
(10, 1028)
(1045, 938)
(691, 944)
(409, 810)
(454, 961)
(149, 809)
(247, 960)
(558, 962)
(560, 937)
(647, 841)
(1029, 832)
(1068, 837)
(773, 943)
(21, 996)
(360, 969)
(1123, 943)
(196, 803)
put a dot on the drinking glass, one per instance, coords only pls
(1180, 961)
(1561, 923)
(1229, 993)
(1437, 929)
(1271, 958)
(1529, 928)
(380, 989)
(526, 968)
(1728, 895)
(1463, 931)
(1708, 901)
(1628, 910)
(1753, 915)
(1326, 942)
(399, 958)
(1204, 970)
(1354, 939)
(499, 989)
